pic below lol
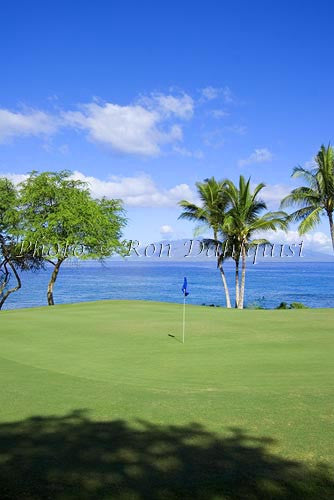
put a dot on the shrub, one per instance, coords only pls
(254, 306)
(283, 305)
(293, 305)
(298, 305)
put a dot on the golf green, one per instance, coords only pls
(256, 385)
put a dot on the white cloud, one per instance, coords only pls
(140, 191)
(236, 129)
(280, 236)
(320, 238)
(180, 106)
(166, 229)
(128, 129)
(219, 113)
(141, 128)
(28, 123)
(274, 193)
(198, 154)
(15, 178)
(49, 147)
(316, 241)
(261, 155)
(227, 94)
(210, 93)
(151, 125)
(310, 164)
(63, 149)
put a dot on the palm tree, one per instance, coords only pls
(210, 214)
(317, 198)
(243, 220)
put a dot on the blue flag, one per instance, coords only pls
(184, 288)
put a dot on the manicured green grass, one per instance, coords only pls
(268, 373)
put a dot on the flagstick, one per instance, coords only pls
(184, 317)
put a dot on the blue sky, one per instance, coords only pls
(143, 99)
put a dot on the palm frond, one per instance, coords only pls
(301, 196)
(318, 196)
(258, 242)
(257, 189)
(310, 221)
(200, 230)
(307, 175)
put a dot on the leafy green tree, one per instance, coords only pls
(8, 221)
(210, 214)
(243, 221)
(317, 198)
(61, 220)
(12, 260)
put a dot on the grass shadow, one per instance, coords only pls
(73, 457)
(175, 338)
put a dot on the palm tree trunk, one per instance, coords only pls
(236, 282)
(52, 281)
(243, 278)
(15, 288)
(227, 294)
(222, 274)
(331, 227)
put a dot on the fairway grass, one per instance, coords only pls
(258, 385)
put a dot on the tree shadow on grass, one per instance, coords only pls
(73, 457)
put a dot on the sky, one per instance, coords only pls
(144, 99)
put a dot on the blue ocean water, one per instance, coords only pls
(267, 284)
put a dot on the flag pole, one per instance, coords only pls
(184, 316)
(185, 293)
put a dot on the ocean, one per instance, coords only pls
(267, 284)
